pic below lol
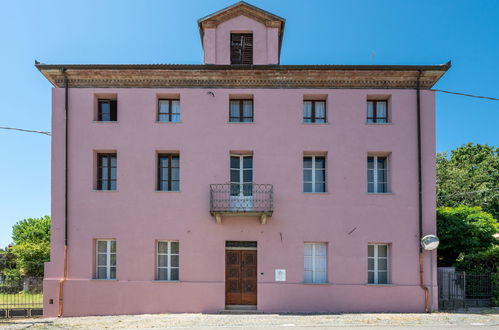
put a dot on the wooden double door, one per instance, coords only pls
(240, 277)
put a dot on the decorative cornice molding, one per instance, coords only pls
(241, 8)
(248, 78)
(249, 12)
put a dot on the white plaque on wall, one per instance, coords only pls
(280, 275)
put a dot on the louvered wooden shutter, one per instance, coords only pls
(114, 110)
(241, 48)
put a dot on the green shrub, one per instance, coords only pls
(463, 230)
(495, 289)
(482, 262)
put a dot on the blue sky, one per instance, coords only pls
(317, 32)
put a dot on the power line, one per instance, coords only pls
(469, 192)
(469, 95)
(26, 130)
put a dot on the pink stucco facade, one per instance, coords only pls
(345, 217)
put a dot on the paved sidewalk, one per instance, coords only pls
(472, 319)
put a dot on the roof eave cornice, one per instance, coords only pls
(243, 76)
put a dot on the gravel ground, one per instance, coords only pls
(469, 319)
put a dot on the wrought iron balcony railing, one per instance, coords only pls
(234, 199)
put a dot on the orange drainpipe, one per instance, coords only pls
(421, 284)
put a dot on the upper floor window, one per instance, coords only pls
(377, 264)
(168, 261)
(107, 110)
(315, 264)
(241, 48)
(168, 172)
(169, 110)
(241, 111)
(105, 259)
(377, 174)
(314, 111)
(106, 171)
(314, 174)
(377, 112)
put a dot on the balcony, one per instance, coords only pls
(246, 199)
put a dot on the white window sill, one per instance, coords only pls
(166, 281)
(168, 122)
(99, 190)
(327, 283)
(240, 122)
(104, 279)
(389, 123)
(327, 123)
(106, 121)
(167, 191)
(380, 285)
(316, 193)
(373, 193)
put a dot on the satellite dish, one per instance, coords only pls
(430, 242)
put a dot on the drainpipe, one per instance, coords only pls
(420, 196)
(66, 145)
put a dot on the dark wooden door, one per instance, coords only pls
(240, 277)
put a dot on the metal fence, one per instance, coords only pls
(246, 197)
(463, 285)
(22, 297)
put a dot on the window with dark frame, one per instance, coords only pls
(106, 171)
(314, 174)
(377, 112)
(107, 110)
(314, 111)
(169, 110)
(168, 172)
(241, 48)
(241, 111)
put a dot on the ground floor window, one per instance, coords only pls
(168, 261)
(105, 259)
(377, 264)
(315, 263)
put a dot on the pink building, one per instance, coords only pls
(241, 183)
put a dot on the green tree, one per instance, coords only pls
(463, 230)
(31, 247)
(32, 230)
(469, 176)
(30, 258)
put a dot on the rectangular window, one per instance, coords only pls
(241, 178)
(377, 264)
(106, 171)
(315, 263)
(105, 259)
(377, 174)
(169, 110)
(377, 112)
(241, 111)
(107, 110)
(241, 48)
(168, 172)
(314, 174)
(168, 261)
(314, 111)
